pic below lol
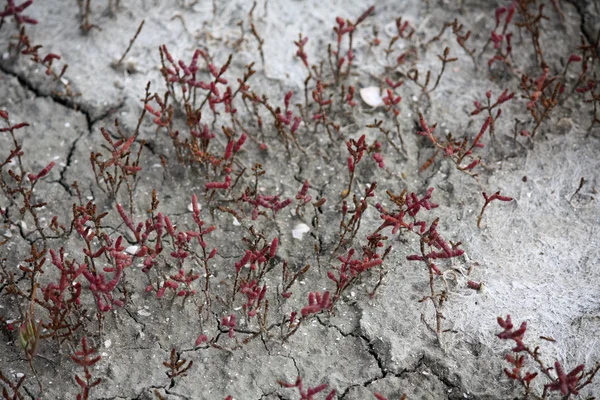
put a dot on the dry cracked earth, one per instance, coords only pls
(398, 327)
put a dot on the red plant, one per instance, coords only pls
(351, 218)
(565, 383)
(301, 52)
(62, 299)
(23, 46)
(229, 324)
(121, 168)
(591, 89)
(456, 150)
(85, 358)
(345, 28)
(150, 245)
(432, 238)
(488, 200)
(100, 248)
(461, 39)
(356, 148)
(317, 302)
(272, 202)
(498, 37)
(15, 11)
(409, 206)
(541, 96)
(19, 190)
(176, 365)
(350, 270)
(15, 388)
(309, 393)
(489, 107)
(432, 245)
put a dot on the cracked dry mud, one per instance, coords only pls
(538, 255)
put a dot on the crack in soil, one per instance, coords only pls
(423, 360)
(65, 102)
(26, 389)
(62, 181)
(277, 395)
(80, 108)
(132, 316)
(434, 369)
(38, 93)
(588, 33)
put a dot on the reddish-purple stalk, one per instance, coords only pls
(592, 89)
(566, 383)
(432, 245)
(63, 299)
(309, 393)
(456, 150)
(350, 270)
(541, 97)
(15, 11)
(356, 148)
(498, 38)
(15, 388)
(23, 46)
(117, 169)
(489, 107)
(85, 358)
(461, 39)
(488, 200)
(177, 365)
(351, 219)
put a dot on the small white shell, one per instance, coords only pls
(371, 96)
(190, 207)
(483, 289)
(132, 250)
(300, 230)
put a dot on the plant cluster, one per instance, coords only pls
(558, 380)
(216, 121)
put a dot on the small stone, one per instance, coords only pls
(371, 96)
(300, 230)
(144, 313)
(564, 126)
(132, 250)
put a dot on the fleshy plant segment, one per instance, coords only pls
(527, 364)
(308, 393)
(488, 199)
(86, 358)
